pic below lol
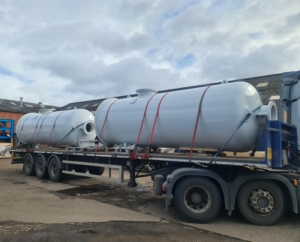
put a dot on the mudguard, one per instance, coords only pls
(197, 172)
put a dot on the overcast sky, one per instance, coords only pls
(63, 51)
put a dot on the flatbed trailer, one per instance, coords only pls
(262, 188)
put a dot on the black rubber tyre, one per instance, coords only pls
(41, 170)
(54, 172)
(197, 200)
(96, 170)
(28, 165)
(262, 202)
(81, 169)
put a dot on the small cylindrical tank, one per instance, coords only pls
(224, 107)
(62, 127)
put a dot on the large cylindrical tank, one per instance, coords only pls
(62, 127)
(224, 107)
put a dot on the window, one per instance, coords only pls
(262, 84)
(274, 97)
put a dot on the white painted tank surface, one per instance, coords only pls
(62, 127)
(224, 107)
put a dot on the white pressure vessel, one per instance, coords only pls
(224, 107)
(68, 127)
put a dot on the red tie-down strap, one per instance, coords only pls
(197, 121)
(40, 127)
(101, 132)
(23, 127)
(146, 155)
(36, 126)
(133, 155)
(53, 127)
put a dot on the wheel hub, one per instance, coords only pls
(261, 201)
(196, 197)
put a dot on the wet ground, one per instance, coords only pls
(88, 209)
(118, 195)
(111, 231)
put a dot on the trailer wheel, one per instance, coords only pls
(96, 170)
(262, 203)
(81, 169)
(197, 200)
(54, 172)
(28, 165)
(40, 167)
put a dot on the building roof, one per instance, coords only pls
(267, 86)
(15, 106)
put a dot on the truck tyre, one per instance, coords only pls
(28, 165)
(54, 172)
(96, 170)
(197, 200)
(40, 167)
(262, 202)
(81, 169)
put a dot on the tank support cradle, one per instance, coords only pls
(132, 182)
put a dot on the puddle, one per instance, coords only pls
(19, 182)
(93, 190)
(116, 194)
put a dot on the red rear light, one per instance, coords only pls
(163, 187)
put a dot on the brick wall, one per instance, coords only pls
(14, 116)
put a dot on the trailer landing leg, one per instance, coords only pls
(132, 182)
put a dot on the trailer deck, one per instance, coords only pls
(204, 159)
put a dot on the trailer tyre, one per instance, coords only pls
(96, 170)
(54, 172)
(81, 169)
(40, 167)
(197, 200)
(28, 165)
(262, 203)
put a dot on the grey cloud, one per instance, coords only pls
(110, 42)
(262, 61)
(123, 78)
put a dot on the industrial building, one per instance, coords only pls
(11, 109)
(267, 86)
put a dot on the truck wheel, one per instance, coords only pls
(81, 169)
(40, 168)
(96, 170)
(28, 165)
(262, 202)
(197, 200)
(54, 172)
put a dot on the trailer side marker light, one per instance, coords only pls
(295, 182)
(269, 153)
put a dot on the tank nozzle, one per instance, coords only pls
(269, 110)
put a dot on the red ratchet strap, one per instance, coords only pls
(100, 136)
(30, 143)
(41, 126)
(53, 127)
(133, 155)
(23, 127)
(197, 121)
(146, 156)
